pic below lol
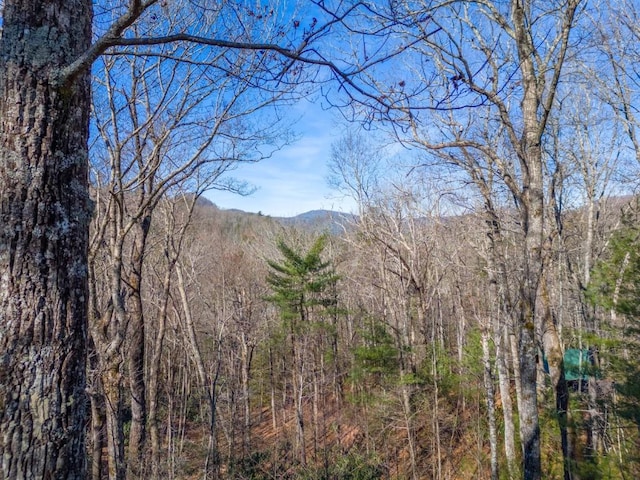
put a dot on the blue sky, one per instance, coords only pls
(293, 180)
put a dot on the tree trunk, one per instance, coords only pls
(246, 358)
(272, 391)
(94, 389)
(491, 403)
(298, 389)
(208, 382)
(528, 348)
(532, 221)
(97, 435)
(528, 413)
(535, 113)
(137, 383)
(504, 384)
(154, 373)
(45, 213)
(435, 416)
(408, 424)
(553, 353)
(502, 326)
(112, 386)
(109, 336)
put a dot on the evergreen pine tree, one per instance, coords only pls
(302, 283)
(303, 286)
(615, 285)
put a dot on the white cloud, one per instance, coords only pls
(293, 180)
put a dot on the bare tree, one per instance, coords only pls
(47, 53)
(168, 126)
(397, 226)
(493, 71)
(177, 214)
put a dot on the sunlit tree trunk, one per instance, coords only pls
(504, 384)
(246, 359)
(491, 403)
(408, 424)
(155, 368)
(109, 336)
(208, 381)
(553, 352)
(502, 323)
(297, 380)
(532, 218)
(136, 352)
(154, 377)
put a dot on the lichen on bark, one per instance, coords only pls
(44, 211)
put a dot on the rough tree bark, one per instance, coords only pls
(44, 217)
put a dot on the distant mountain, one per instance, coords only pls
(315, 220)
(321, 220)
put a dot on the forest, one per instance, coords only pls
(385, 349)
(475, 316)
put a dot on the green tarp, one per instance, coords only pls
(576, 364)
